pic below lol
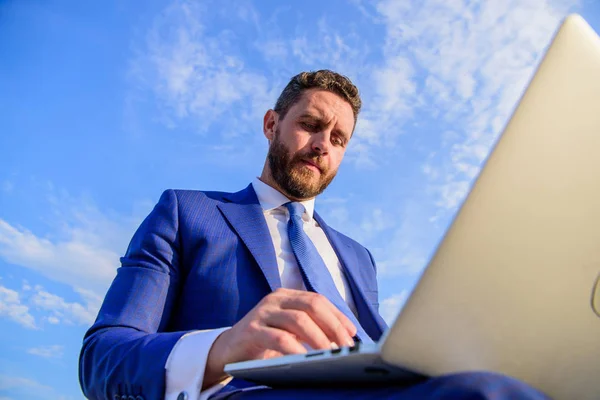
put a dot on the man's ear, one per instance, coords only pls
(270, 122)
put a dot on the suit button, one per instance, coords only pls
(138, 397)
(117, 397)
(124, 397)
(130, 398)
(182, 396)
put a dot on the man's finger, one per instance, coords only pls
(301, 325)
(279, 341)
(350, 328)
(333, 322)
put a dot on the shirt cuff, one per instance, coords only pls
(186, 364)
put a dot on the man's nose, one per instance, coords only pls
(320, 142)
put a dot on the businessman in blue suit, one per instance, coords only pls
(212, 278)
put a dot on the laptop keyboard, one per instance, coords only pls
(354, 349)
(351, 349)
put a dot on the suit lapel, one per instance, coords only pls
(245, 215)
(367, 315)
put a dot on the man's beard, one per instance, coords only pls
(287, 171)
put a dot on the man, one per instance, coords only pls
(213, 278)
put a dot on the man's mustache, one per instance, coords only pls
(313, 157)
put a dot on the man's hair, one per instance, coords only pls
(323, 79)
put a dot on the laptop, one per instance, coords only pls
(513, 287)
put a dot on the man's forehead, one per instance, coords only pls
(324, 101)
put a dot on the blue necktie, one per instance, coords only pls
(314, 272)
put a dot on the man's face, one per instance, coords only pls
(309, 144)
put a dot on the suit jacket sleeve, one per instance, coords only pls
(125, 351)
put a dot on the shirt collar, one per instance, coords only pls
(270, 198)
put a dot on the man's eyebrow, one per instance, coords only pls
(311, 115)
(319, 119)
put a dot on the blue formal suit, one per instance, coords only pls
(200, 260)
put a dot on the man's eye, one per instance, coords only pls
(309, 126)
(337, 141)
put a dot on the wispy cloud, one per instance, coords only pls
(388, 88)
(406, 247)
(476, 59)
(26, 388)
(37, 303)
(461, 65)
(363, 226)
(325, 46)
(274, 49)
(72, 261)
(199, 75)
(388, 106)
(54, 351)
(10, 382)
(460, 68)
(59, 310)
(12, 308)
(400, 237)
(83, 248)
(202, 79)
(391, 306)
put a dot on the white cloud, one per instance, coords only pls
(52, 308)
(200, 75)
(468, 59)
(21, 307)
(387, 106)
(390, 307)
(400, 236)
(82, 249)
(477, 58)
(75, 261)
(404, 249)
(61, 310)
(54, 351)
(273, 49)
(10, 382)
(387, 90)
(394, 83)
(246, 12)
(26, 387)
(12, 308)
(361, 225)
(452, 192)
(323, 46)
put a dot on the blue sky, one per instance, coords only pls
(104, 105)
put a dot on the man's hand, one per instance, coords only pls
(279, 325)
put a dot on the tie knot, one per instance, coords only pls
(296, 209)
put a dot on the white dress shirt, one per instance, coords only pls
(187, 361)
